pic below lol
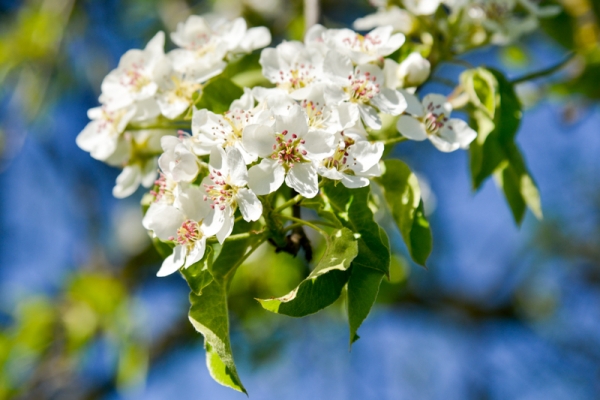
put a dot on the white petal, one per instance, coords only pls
(293, 121)
(348, 115)
(442, 144)
(173, 262)
(196, 253)
(390, 101)
(225, 231)
(319, 144)
(218, 160)
(256, 38)
(369, 116)
(191, 202)
(163, 220)
(127, 182)
(411, 128)
(438, 104)
(149, 172)
(238, 173)
(266, 177)
(413, 104)
(354, 182)
(463, 133)
(303, 178)
(337, 66)
(258, 140)
(250, 207)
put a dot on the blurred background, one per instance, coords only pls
(502, 313)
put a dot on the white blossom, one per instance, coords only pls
(178, 162)
(225, 190)
(291, 66)
(400, 20)
(354, 161)
(433, 122)
(135, 77)
(182, 223)
(363, 87)
(289, 152)
(422, 7)
(102, 134)
(373, 46)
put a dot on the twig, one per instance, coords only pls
(545, 72)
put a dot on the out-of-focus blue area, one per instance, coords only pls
(57, 210)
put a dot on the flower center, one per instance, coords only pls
(184, 89)
(188, 233)
(314, 111)
(433, 120)
(110, 121)
(134, 78)
(340, 159)
(365, 44)
(163, 190)
(362, 88)
(220, 193)
(237, 119)
(297, 77)
(287, 150)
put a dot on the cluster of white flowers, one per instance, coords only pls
(149, 85)
(481, 21)
(328, 92)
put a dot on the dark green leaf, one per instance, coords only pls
(209, 315)
(363, 286)
(218, 95)
(403, 197)
(324, 284)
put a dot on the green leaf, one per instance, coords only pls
(352, 208)
(324, 284)
(198, 275)
(323, 209)
(518, 186)
(488, 149)
(218, 95)
(403, 197)
(481, 86)
(363, 286)
(209, 315)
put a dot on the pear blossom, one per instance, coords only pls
(354, 161)
(180, 77)
(291, 66)
(289, 152)
(414, 70)
(134, 175)
(433, 122)
(400, 20)
(373, 46)
(325, 116)
(363, 87)
(102, 134)
(183, 223)
(225, 190)
(225, 130)
(178, 162)
(422, 7)
(210, 40)
(135, 77)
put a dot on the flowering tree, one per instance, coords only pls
(244, 160)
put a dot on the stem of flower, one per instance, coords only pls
(294, 200)
(311, 13)
(306, 223)
(394, 140)
(545, 72)
(239, 236)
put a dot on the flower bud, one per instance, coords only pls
(414, 70)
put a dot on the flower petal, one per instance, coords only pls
(227, 227)
(127, 182)
(163, 220)
(390, 101)
(173, 262)
(250, 207)
(196, 253)
(266, 177)
(303, 178)
(369, 116)
(411, 128)
(258, 139)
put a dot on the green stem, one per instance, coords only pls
(306, 223)
(395, 140)
(545, 72)
(294, 200)
(233, 238)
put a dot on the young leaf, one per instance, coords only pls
(324, 284)
(363, 286)
(352, 208)
(209, 315)
(403, 197)
(218, 94)
(488, 150)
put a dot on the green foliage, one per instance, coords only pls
(494, 150)
(324, 284)
(198, 275)
(209, 315)
(218, 94)
(403, 197)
